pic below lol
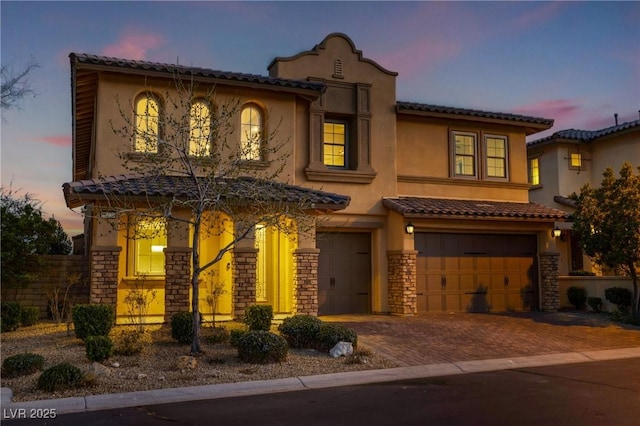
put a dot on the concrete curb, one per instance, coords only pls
(230, 390)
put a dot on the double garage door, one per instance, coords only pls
(476, 272)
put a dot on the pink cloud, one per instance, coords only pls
(61, 141)
(536, 17)
(558, 109)
(134, 45)
(421, 54)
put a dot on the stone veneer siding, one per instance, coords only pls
(549, 283)
(177, 265)
(402, 282)
(244, 280)
(305, 281)
(104, 275)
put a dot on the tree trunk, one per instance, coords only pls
(195, 255)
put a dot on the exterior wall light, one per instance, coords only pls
(409, 228)
(557, 232)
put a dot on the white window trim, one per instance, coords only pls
(454, 173)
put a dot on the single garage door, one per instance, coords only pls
(476, 272)
(344, 273)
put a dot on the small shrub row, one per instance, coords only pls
(619, 296)
(15, 315)
(305, 331)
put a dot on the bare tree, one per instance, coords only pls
(211, 185)
(16, 85)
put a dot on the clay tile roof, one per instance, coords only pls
(80, 192)
(83, 58)
(411, 106)
(587, 135)
(417, 206)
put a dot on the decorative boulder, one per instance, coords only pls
(186, 362)
(341, 349)
(98, 369)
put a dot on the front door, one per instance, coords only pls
(344, 273)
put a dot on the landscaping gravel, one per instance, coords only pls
(155, 367)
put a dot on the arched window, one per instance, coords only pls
(147, 111)
(200, 129)
(251, 133)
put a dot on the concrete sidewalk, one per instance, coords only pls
(229, 390)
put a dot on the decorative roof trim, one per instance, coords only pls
(323, 45)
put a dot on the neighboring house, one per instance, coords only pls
(428, 205)
(564, 162)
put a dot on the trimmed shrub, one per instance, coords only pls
(10, 316)
(182, 327)
(577, 296)
(619, 296)
(98, 348)
(235, 335)
(595, 303)
(301, 331)
(93, 320)
(330, 334)
(22, 364)
(258, 317)
(59, 377)
(29, 315)
(262, 347)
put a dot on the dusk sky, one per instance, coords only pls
(577, 63)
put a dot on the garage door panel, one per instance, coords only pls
(453, 302)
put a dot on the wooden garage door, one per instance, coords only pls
(344, 273)
(476, 272)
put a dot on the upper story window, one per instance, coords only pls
(200, 129)
(149, 244)
(534, 171)
(251, 133)
(335, 144)
(575, 160)
(496, 156)
(465, 154)
(147, 122)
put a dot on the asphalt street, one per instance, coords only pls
(594, 393)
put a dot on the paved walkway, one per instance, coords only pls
(445, 338)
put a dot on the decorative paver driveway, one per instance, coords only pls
(438, 338)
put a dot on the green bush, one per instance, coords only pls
(29, 315)
(235, 335)
(59, 377)
(93, 320)
(182, 327)
(577, 296)
(10, 316)
(595, 303)
(262, 347)
(330, 334)
(218, 335)
(301, 331)
(129, 343)
(619, 296)
(22, 364)
(98, 348)
(258, 317)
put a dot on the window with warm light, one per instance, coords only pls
(534, 171)
(496, 156)
(465, 154)
(335, 144)
(575, 160)
(200, 129)
(251, 133)
(147, 119)
(149, 244)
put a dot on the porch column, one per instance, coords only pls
(305, 281)
(177, 267)
(402, 282)
(244, 279)
(549, 283)
(104, 274)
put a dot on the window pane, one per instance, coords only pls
(251, 133)
(335, 144)
(534, 171)
(496, 157)
(150, 242)
(200, 129)
(576, 160)
(146, 133)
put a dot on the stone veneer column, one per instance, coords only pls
(549, 283)
(402, 282)
(305, 281)
(177, 266)
(104, 275)
(244, 279)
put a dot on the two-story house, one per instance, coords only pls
(564, 162)
(428, 206)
